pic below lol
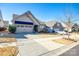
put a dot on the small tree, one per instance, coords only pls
(12, 28)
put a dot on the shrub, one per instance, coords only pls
(12, 28)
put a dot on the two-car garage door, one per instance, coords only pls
(24, 29)
(22, 26)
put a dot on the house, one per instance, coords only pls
(54, 26)
(26, 22)
(1, 20)
(75, 27)
(58, 26)
(50, 25)
(3, 24)
(6, 24)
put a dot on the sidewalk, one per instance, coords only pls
(62, 51)
(72, 52)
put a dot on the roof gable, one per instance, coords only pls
(30, 16)
(58, 24)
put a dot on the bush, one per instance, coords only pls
(12, 28)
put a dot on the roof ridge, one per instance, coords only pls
(28, 12)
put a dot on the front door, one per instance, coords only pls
(35, 28)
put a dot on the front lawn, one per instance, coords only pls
(9, 51)
(8, 39)
(43, 35)
(64, 41)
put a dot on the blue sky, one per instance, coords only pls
(42, 11)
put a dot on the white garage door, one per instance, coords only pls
(24, 29)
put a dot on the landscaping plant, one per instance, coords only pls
(12, 28)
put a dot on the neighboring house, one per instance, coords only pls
(3, 23)
(50, 25)
(58, 27)
(26, 22)
(42, 26)
(45, 29)
(6, 24)
(54, 26)
(1, 20)
(75, 27)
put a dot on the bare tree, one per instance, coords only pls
(68, 22)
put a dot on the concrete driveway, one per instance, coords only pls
(40, 47)
(37, 47)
